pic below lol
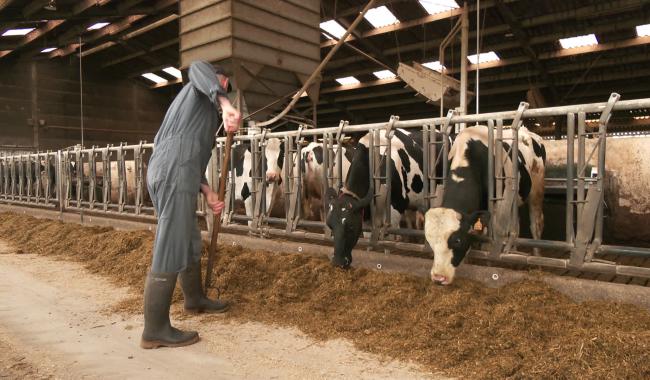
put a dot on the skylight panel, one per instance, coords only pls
(347, 81)
(434, 65)
(489, 56)
(643, 30)
(384, 74)
(47, 50)
(17, 32)
(173, 72)
(97, 26)
(154, 78)
(332, 27)
(380, 17)
(438, 6)
(578, 41)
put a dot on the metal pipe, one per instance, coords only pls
(464, 48)
(569, 238)
(320, 67)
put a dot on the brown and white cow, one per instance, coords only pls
(465, 197)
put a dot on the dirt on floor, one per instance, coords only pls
(523, 330)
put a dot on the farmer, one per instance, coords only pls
(182, 149)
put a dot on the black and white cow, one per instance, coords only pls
(242, 160)
(465, 197)
(349, 209)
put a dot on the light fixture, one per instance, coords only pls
(17, 32)
(438, 6)
(97, 26)
(173, 72)
(51, 6)
(47, 50)
(434, 65)
(332, 27)
(489, 56)
(157, 79)
(347, 81)
(643, 30)
(578, 41)
(384, 74)
(380, 17)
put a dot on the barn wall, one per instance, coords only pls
(627, 196)
(114, 110)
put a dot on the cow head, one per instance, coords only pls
(345, 219)
(448, 233)
(274, 153)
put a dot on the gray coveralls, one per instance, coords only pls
(182, 149)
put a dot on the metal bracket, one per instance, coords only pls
(444, 128)
(339, 131)
(389, 127)
(523, 106)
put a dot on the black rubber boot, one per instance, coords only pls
(195, 299)
(158, 331)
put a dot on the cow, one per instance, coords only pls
(465, 197)
(313, 177)
(242, 160)
(348, 209)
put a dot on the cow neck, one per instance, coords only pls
(465, 196)
(358, 177)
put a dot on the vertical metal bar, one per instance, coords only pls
(388, 175)
(106, 179)
(80, 175)
(428, 195)
(121, 177)
(328, 168)
(48, 184)
(21, 180)
(581, 164)
(139, 180)
(490, 170)
(514, 222)
(569, 205)
(37, 176)
(371, 169)
(288, 176)
(92, 185)
(498, 161)
(58, 174)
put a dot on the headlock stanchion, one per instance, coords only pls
(111, 181)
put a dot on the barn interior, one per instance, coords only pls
(85, 86)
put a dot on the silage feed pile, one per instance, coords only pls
(523, 330)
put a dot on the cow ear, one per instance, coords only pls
(483, 215)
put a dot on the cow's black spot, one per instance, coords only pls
(417, 185)
(318, 154)
(413, 147)
(406, 162)
(245, 193)
(525, 183)
(280, 156)
(539, 149)
(238, 158)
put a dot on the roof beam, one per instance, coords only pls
(588, 12)
(141, 53)
(417, 22)
(109, 30)
(546, 38)
(35, 34)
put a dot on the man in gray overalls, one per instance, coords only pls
(182, 149)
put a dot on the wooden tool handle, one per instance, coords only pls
(216, 221)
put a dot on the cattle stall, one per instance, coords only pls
(68, 180)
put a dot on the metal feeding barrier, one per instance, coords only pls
(111, 181)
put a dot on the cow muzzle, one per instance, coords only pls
(272, 177)
(440, 279)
